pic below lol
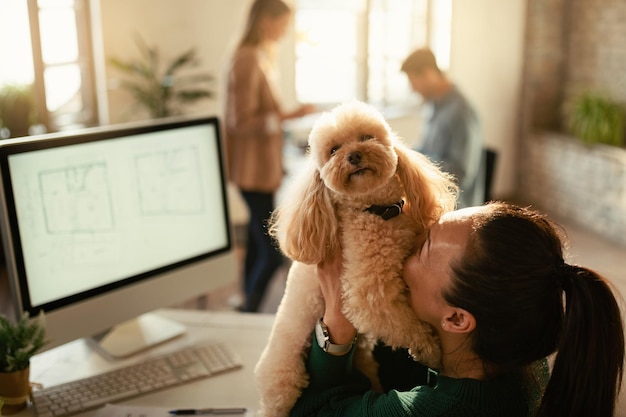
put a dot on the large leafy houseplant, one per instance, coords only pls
(163, 89)
(595, 118)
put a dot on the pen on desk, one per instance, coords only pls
(208, 411)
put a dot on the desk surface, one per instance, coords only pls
(246, 334)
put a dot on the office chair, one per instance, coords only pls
(491, 157)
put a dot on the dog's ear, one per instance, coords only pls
(304, 223)
(430, 192)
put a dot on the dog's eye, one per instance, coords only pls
(334, 149)
(367, 137)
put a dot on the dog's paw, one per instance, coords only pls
(279, 388)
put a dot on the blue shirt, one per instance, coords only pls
(452, 138)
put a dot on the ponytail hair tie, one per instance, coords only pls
(564, 274)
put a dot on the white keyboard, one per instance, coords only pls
(150, 375)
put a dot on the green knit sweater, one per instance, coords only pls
(336, 390)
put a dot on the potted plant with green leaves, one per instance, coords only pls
(163, 89)
(595, 118)
(17, 109)
(20, 340)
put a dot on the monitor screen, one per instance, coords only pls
(130, 216)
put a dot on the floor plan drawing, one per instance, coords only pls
(77, 199)
(168, 182)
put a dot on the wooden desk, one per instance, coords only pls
(246, 334)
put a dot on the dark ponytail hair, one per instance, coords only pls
(528, 303)
(587, 373)
(260, 8)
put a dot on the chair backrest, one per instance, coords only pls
(491, 157)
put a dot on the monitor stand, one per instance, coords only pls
(136, 335)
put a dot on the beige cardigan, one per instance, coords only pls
(254, 140)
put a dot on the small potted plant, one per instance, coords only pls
(19, 342)
(17, 109)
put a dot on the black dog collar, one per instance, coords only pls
(387, 212)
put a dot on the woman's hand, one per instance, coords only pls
(306, 109)
(340, 329)
(301, 111)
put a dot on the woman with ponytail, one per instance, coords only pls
(253, 117)
(493, 284)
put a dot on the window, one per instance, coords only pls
(15, 43)
(55, 56)
(356, 47)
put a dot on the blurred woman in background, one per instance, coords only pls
(254, 138)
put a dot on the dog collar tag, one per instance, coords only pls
(387, 212)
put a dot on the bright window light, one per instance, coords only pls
(353, 49)
(15, 43)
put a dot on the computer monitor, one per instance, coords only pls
(103, 225)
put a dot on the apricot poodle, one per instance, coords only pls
(366, 192)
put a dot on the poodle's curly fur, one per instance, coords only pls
(355, 162)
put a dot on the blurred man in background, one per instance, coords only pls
(452, 136)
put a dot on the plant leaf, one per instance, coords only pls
(158, 92)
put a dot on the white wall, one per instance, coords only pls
(211, 26)
(486, 62)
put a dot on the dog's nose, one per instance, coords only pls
(355, 158)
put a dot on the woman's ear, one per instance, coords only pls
(458, 320)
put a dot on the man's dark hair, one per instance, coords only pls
(419, 60)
